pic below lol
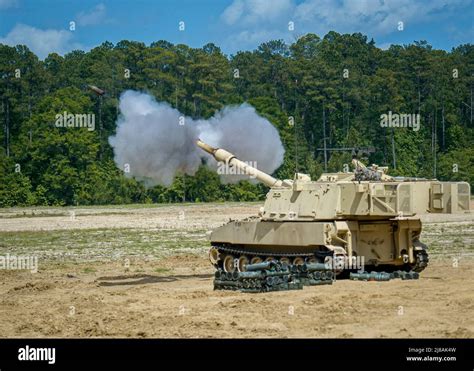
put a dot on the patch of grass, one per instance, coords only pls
(161, 270)
(47, 211)
(92, 244)
(449, 239)
(89, 270)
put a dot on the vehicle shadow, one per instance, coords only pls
(143, 279)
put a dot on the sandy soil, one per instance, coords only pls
(188, 216)
(170, 295)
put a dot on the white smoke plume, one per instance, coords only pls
(154, 143)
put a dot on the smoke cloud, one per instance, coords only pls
(154, 142)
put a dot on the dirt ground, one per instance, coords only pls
(135, 271)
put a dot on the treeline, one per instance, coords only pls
(328, 92)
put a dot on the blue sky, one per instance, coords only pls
(44, 25)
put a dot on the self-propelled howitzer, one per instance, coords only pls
(362, 218)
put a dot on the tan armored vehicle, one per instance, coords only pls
(363, 216)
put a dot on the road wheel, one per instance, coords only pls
(214, 256)
(298, 261)
(228, 263)
(256, 260)
(243, 262)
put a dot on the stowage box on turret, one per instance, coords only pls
(363, 217)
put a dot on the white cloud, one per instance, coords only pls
(256, 21)
(246, 12)
(41, 42)
(251, 38)
(93, 17)
(384, 46)
(5, 4)
(376, 17)
(233, 12)
(252, 21)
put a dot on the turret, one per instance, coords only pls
(221, 155)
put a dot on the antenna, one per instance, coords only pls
(296, 130)
(324, 138)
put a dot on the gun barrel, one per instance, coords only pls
(221, 155)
